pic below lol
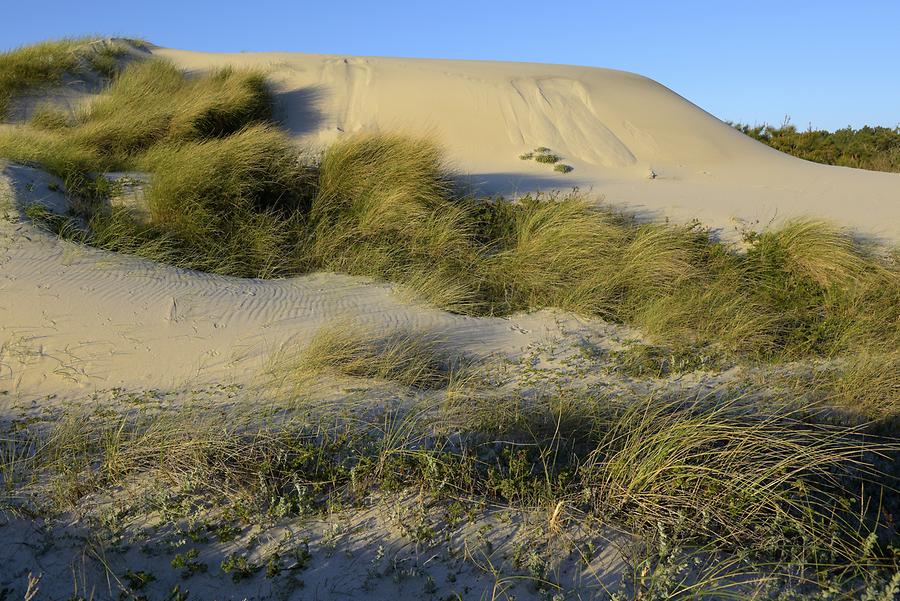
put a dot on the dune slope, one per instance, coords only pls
(614, 128)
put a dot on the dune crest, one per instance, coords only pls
(614, 128)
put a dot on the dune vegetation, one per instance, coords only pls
(789, 485)
(229, 195)
(873, 148)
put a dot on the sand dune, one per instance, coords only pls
(77, 319)
(613, 127)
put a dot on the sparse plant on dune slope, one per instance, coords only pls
(348, 348)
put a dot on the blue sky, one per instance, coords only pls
(827, 63)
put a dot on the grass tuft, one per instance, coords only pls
(347, 348)
(45, 64)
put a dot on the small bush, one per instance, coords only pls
(546, 158)
(562, 168)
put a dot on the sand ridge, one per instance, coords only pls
(613, 127)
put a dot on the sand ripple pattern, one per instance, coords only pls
(76, 318)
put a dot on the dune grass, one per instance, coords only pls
(384, 207)
(725, 475)
(46, 63)
(347, 348)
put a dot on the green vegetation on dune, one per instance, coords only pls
(873, 148)
(46, 63)
(791, 495)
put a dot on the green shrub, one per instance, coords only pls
(562, 168)
(874, 148)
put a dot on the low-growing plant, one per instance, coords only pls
(351, 349)
(238, 566)
(188, 564)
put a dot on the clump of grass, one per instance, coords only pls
(561, 168)
(642, 360)
(866, 383)
(152, 101)
(36, 65)
(349, 349)
(738, 469)
(228, 200)
(48, 117)
(45, 64)
(384, 208)
(561, 252)
(50, 150)
(808, 249)
(828, 294)
(546, 158)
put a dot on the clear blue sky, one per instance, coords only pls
(830, 63)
